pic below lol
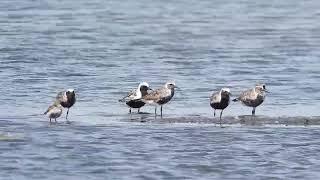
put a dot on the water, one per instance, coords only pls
(105, 48)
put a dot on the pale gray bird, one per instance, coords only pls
(253, 97)
(54, 111)
(133, 99)
(160, 96)
(220, 100)
(66, 99)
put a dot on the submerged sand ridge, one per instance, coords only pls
(231, 120)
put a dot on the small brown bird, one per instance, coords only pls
(66, 99)
(220, 100)
(161, 96)
(54, 111)
(253, 97)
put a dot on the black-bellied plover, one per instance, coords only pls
(160, 96)
(220, 100)
(66, 99)
(133, 99)
(253, 97)
(54, 111)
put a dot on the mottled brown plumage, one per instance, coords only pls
(54, 111)
(160, 96)
(253, 97)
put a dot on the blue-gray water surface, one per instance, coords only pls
(103, 49)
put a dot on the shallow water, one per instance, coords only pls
(105, 48)
(157, 151)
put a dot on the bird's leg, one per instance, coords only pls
(214, 115)
(50, 120)
(138, 110)
(130, 113)
(67, 114)
(220, 118)
(155, 111)
(254, 111)
(161, 111)
(55, 119)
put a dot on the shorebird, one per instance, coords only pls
(220, 100)
(133, 99)
(54, 111)
(160, 96)
(253, 97)
(66, 99)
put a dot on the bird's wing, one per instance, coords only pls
(130, 96)
(49, 109)
(156, 95)
(61, 97)
(215, 98)
(246, 95)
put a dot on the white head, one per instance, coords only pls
(70, 93)
(143, 84)
(225, 91)
(70, 90)
(142, 89)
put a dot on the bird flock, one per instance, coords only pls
(143, 95)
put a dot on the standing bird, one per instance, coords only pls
(253, 97)
(220, 100)
(160, 96)
(66, 99)
(133, 99)
(54, 111)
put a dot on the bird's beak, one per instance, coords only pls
(150, 89)
(266, 91)
(176, 87)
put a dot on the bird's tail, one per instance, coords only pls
(235, 100)
(122, 100)
(45, 112)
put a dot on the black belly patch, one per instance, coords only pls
(219, 105)
(135, 103)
